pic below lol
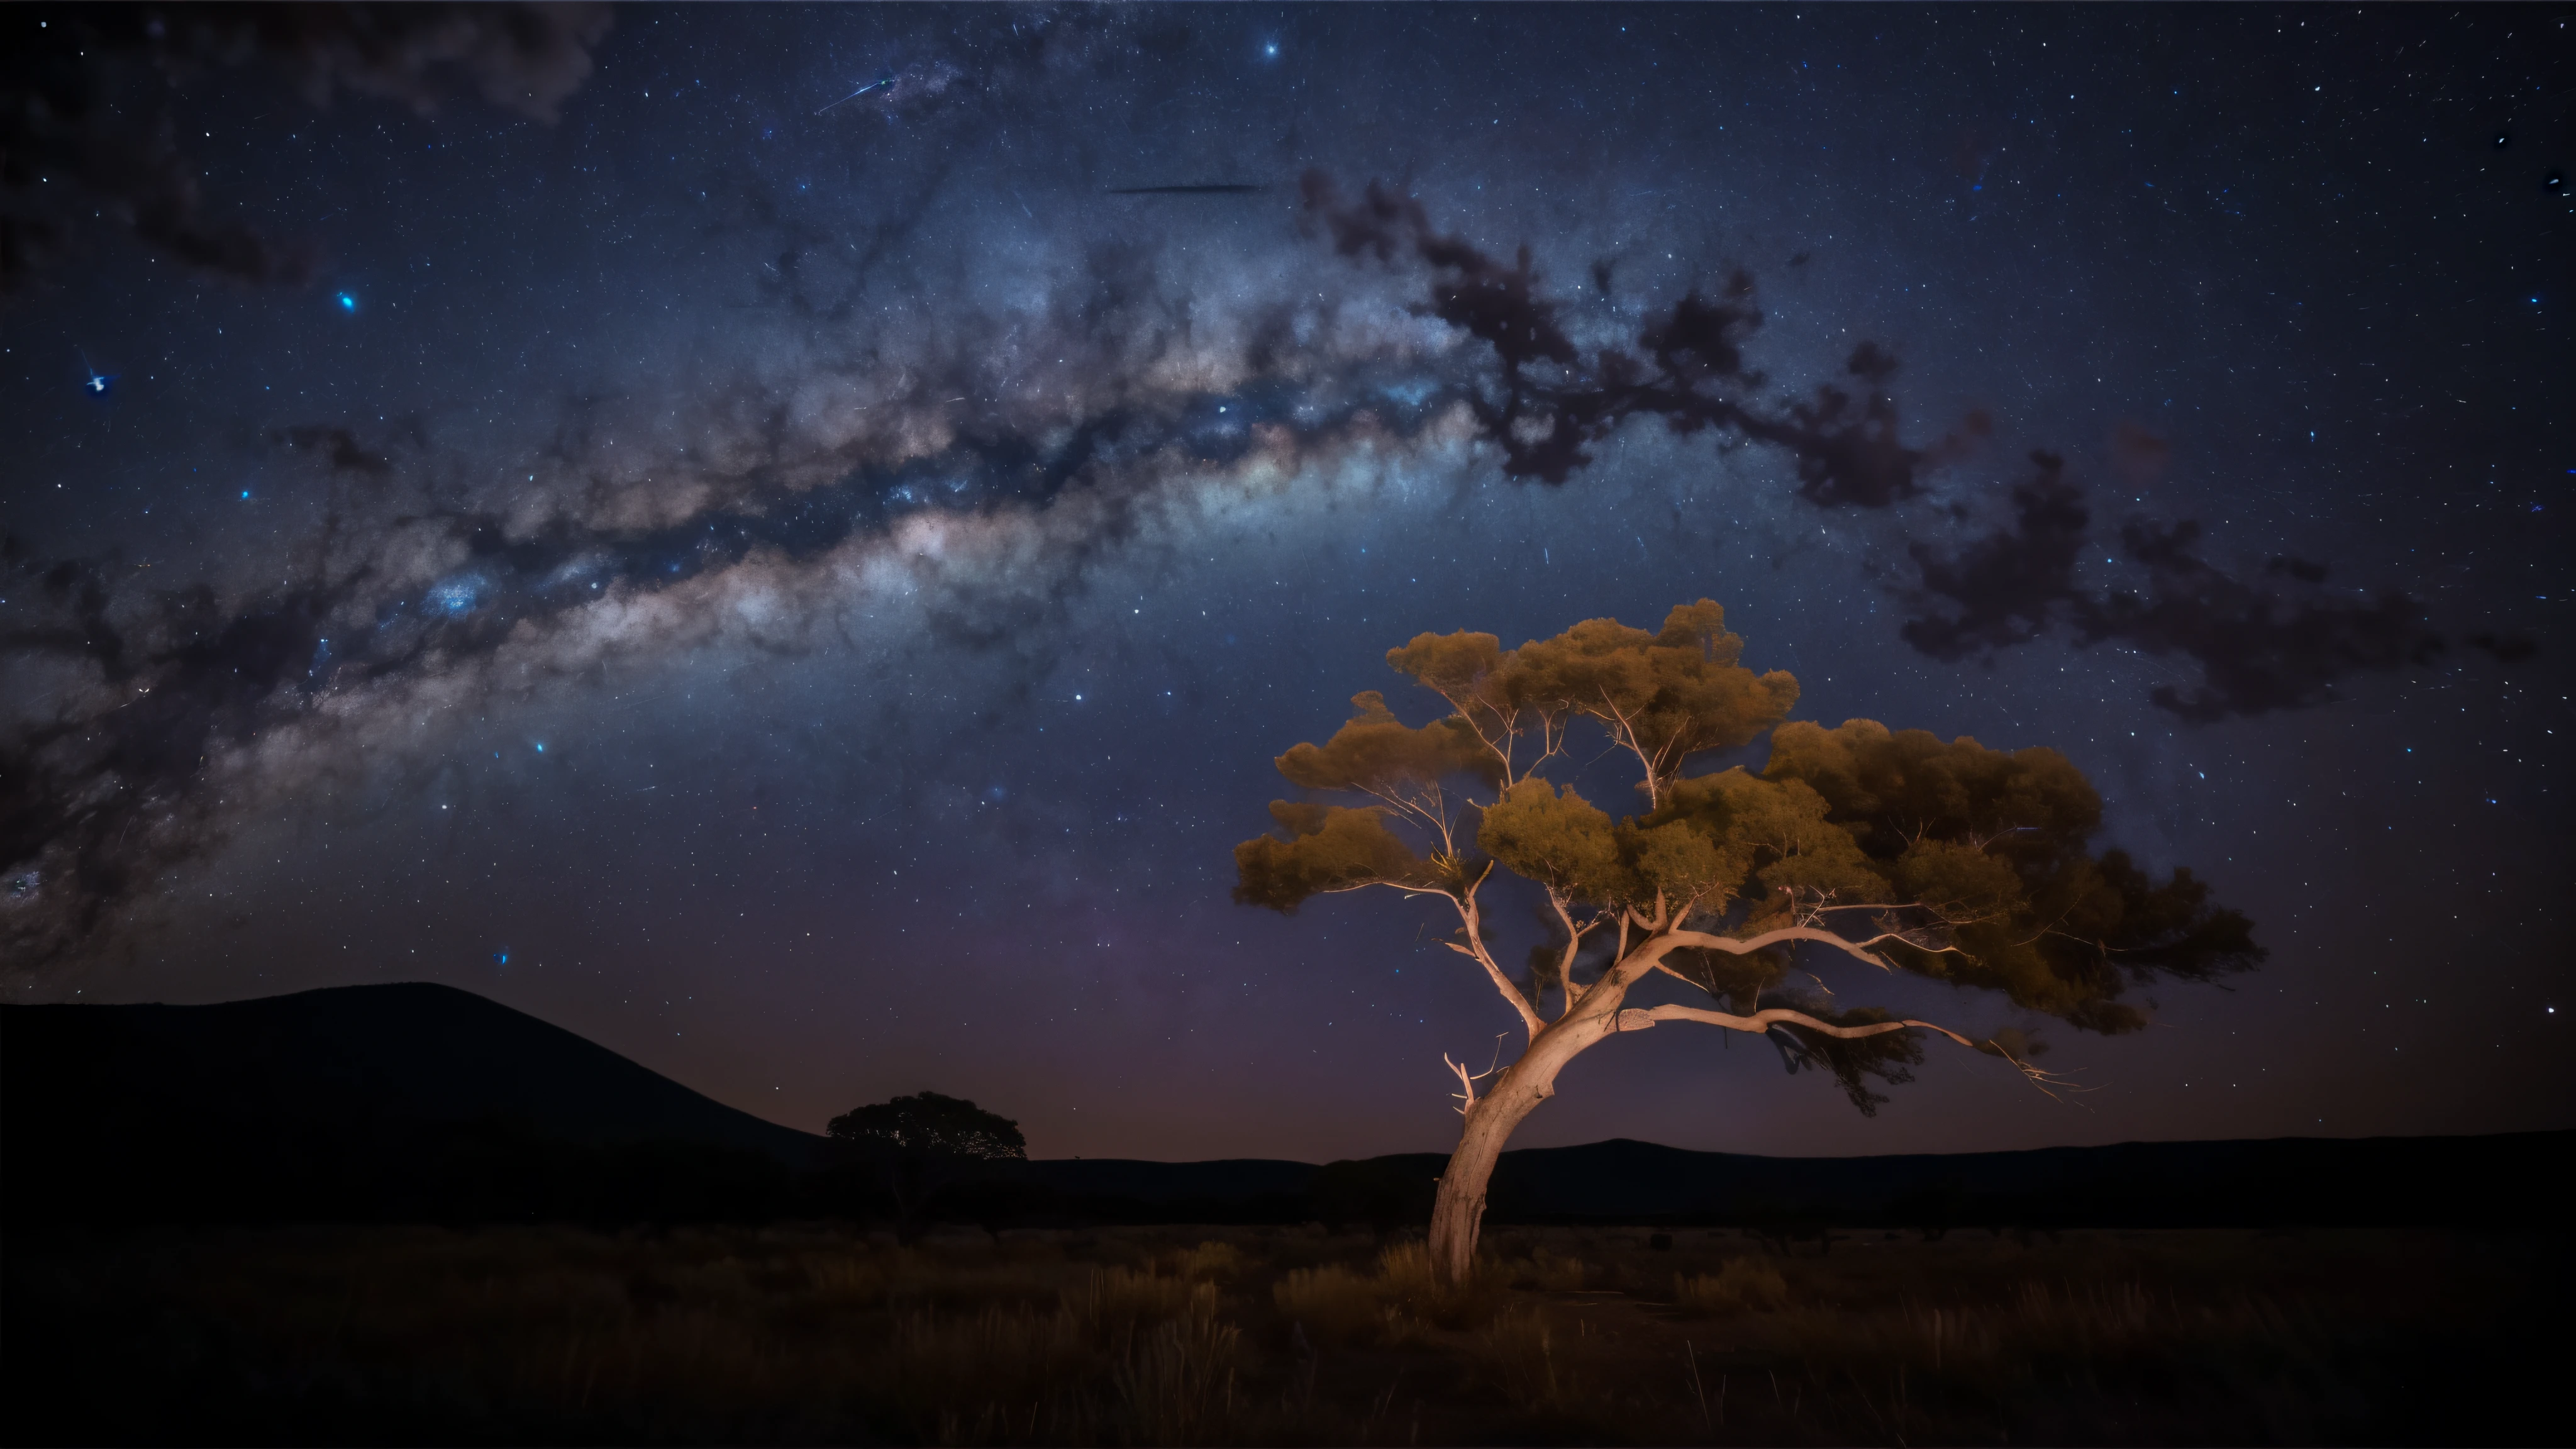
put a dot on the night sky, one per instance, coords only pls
(807, 594)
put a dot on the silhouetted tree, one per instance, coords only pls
(1959, 863)
(923, 1143)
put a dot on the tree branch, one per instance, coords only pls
(1429, 804)
(1700, 986)
(1574, 935)
(1467, 1084)
(1748, 945)
(1625, 732)
(1472, 916)
(1640, 1018)
(1502, 752)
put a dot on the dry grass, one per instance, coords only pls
(1211, 1260)
(1151, 1336)
(1332, 1305)
(1401, 1302)
(1746, 1282)
(1563, 1274)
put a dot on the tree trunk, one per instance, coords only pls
(1459, 1209)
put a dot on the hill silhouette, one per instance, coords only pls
(366, 1055)
(2504, 1179)
(419, 1101)
(409, 1099)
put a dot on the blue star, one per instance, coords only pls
(348, 303)
(93, 381)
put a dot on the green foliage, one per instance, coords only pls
(1375, 753)
(1560, 840)
(1775, 839)
(1998, 844)
(1667, 696)
(1329, 848)
(1568, 844)
(1457, 666)
(1966, 864)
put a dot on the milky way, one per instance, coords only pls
(540, 450)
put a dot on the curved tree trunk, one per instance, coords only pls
(1458, 1210)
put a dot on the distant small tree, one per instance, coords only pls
(1956, 862)
(923, 1143)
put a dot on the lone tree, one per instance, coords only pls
(923, 1143)
(1893, 849)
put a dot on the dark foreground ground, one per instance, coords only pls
(1277, 1336)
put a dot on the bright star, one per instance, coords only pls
(348, 303)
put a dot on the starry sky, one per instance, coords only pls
(778, 540)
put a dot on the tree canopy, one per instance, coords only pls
(1964, 863)
(930, 1125)
(1954, 861)
(924, 1143)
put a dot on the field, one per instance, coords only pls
(1276, 1336)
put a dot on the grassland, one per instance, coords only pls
(1275, 1336)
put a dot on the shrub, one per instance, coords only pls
(1742, 1283)
(1335, 1304)
(1405, 1270)
(1207, 1260)
(1116, 1299)
(1414, 1292)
